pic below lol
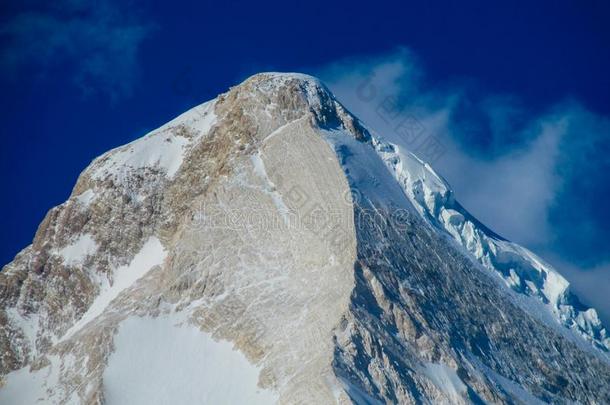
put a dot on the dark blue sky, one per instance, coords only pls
(77, 80)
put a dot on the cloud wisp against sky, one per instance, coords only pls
(98, 42)
(534, 177)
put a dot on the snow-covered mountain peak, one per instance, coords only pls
(267, 234)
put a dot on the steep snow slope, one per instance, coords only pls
(267, 230)
(181, 352)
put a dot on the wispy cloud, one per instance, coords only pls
(98, 42)
(537, 179)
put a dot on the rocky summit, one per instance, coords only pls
(266, 247)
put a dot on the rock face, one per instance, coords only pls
(271, 221)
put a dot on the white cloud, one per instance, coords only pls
(97, 42)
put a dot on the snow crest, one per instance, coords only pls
(522, 270)
(160, 149)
